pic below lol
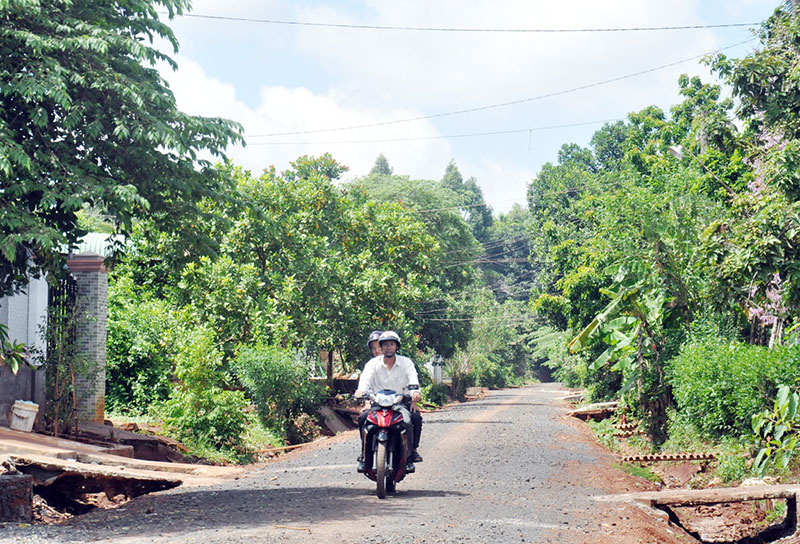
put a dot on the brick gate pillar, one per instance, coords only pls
(92, 301)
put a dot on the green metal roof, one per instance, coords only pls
(98, 242)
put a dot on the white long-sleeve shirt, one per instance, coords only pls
(377, 376)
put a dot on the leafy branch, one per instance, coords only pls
(12, 354)
(777, 430)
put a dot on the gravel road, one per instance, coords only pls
(510, 467)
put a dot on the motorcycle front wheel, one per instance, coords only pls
(380, 470)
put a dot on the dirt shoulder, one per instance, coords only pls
(618, 522)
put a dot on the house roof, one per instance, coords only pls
(99, 243)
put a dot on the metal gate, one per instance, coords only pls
(60, 360)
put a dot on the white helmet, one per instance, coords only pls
(389, 335)
(374, 335)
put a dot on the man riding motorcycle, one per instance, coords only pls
(392, 371)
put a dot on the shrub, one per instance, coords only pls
(570, 369)
(732, 467)
(606, 432)
(778, 430)
(303, 428)
(683, 435)
(199, 409)
(457, 368)
(489, 374)
(140, 354)
(278, 383)
(719, 385)
(437, 394)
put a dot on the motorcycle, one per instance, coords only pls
(385, 441)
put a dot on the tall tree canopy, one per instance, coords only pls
(381, 166)
(473, 206)
(87, 121)
(455, 273)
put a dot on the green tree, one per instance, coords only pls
(608, 144)
(306, 263)
(752, 252)
(473, 206)
(509, 272)
(381, 167)
(86, 119)
(442, 320)
(766, 81)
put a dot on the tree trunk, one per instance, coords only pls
(776, 335)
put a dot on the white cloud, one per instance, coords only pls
(284, 78)
(290, 110)
(502, 181)
(457, 70)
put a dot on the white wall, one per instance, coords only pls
(25, 314)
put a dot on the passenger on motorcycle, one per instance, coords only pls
(372, 343)
(392, 371)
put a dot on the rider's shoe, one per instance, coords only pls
(360, 468)
(416, 457)
(410, 467)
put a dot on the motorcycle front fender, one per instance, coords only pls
(383, 435)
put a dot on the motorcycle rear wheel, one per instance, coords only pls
(380, 470)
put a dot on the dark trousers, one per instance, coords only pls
(415, 431)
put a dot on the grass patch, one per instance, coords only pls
(123, 417)
(255, 440)
(605, 432)
(639, 472)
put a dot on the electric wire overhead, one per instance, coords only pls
(539, 194)
(485, 319)
(501, 104)
(469, 30)
(445, 137)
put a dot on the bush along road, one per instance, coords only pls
(510, 467)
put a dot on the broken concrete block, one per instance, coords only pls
(332, 421)
(16, 496)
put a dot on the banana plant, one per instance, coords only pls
(625, 325)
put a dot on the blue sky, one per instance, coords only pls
(287, 78)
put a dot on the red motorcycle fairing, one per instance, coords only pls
(384, 418)
(398, 441)
(400, 470)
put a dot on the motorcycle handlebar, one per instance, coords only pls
(405, 399)
(369, 394)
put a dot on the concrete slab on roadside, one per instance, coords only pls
(715, 495)
(53, 452)
(20, 442)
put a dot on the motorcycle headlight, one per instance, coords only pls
(387, 400)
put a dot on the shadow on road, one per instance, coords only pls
(514, 404)
(464, 422)
(212, 509)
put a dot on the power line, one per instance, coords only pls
(418, 138)
(486, 261)
(538, 194)
(481, 205)
(470, 30)
(484, 319)
(501, 104)
(493, 245)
